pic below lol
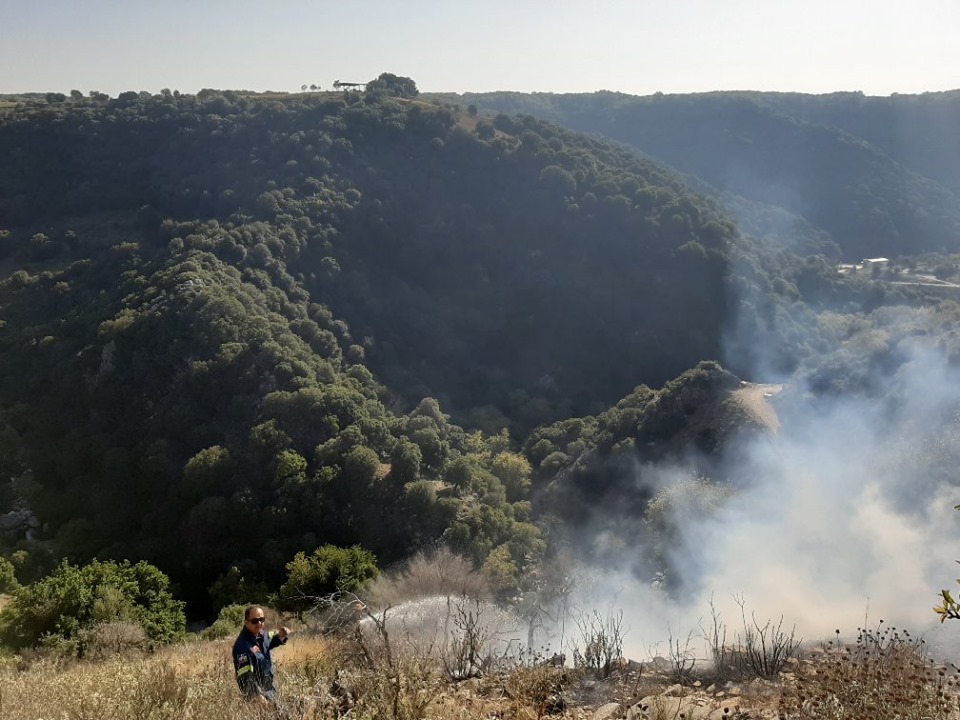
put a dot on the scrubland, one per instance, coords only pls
(882, 674)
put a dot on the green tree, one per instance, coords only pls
(405, 461)
(209, 472)
(329, 569)
(500, 569)
(234, 588)
(485, 130)
(228, 620)
(391, 84)
(558, 180)
(513, 470)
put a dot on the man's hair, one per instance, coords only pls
(246, 613)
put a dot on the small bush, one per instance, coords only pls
(601, 642)
(767, 647)
(8, 577)
(681, 656)
(538, 688)
(430, 574)
(114, 638)
(390, 684)
(466, 651)
(229, 621)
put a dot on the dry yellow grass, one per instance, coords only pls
(189, 681)
(195, 680)
(884, 676)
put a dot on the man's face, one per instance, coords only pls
(254, 623)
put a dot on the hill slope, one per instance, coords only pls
(225, 316)
(827, 159)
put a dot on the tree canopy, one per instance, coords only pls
(236, 328)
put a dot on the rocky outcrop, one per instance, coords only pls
(19, 522)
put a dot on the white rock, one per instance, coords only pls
(604, 712)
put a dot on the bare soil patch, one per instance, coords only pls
(755, 400)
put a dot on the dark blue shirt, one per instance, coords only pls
(251, 660)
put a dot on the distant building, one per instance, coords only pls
(866, 266)
(871, 263)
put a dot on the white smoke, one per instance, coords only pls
(826, 538)
(843, 518)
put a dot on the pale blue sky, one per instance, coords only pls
(638, 47)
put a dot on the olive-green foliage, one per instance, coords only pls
(646, 423)
(234, 588)
(680, 398)
(812, 180)
(75, 600)
(8, 577)
(391, 84)
(609, 461)
(232, 315)
(197, 328)
(513, 470)
(875, 173)
(320, 188)
(229, 621)
(329, 569)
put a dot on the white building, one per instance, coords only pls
(870, 263)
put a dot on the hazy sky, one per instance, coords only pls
(638, 47)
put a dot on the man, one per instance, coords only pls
(251, 657)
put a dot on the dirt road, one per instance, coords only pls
(755, 399)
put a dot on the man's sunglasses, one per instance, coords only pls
(258, 621)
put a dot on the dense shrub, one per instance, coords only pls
(327, 570)
(66, 608)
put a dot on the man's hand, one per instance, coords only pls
(283, 632)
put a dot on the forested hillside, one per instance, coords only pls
(918, 131)
(238, 327)
(515, 228)
(228, 319)
(878, 174)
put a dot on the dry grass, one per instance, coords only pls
(429, 574)
(318, 678)
(884, 675)
(184, 682)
